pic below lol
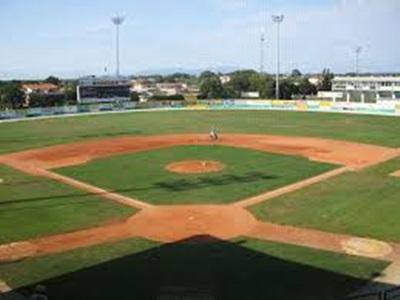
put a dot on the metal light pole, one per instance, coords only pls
(262, 53)
(117, 21)
(278, 19)
(358, 51)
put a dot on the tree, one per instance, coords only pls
(287, 89)
(206, 75)
(262, 83)
(11, 96)
(177, 77)
(54, 80)
(326, 82)
(38, 100)
(211, 88)
(296, 73)
(241, 81)
(70, 92)
(134, 97)
(305, 87)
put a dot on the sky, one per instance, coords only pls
(70, 38)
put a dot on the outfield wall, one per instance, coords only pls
(388, 108)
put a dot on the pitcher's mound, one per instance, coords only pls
(195, 166)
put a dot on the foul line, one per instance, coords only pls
(94, 190)
(290, 188)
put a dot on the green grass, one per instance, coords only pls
(247, 172)
(241, 269)
(33, 206)
(365, 203)
(360, 128)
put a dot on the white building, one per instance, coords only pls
(250, 95)
(315, 80)
(367, 88)
(142, 86)
(171, 89)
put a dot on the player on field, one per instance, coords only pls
(214, 134)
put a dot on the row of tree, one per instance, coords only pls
(210, 85)
(13, 97)
(295, 85)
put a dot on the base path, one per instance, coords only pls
(175, 223)
(350, 154)
(157, 223)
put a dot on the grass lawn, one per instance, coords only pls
(240, 269)
(365, 203)
(247, 172)
(33, 206)
(361, 128)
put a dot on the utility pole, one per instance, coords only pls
(117, 21)
(278, 19)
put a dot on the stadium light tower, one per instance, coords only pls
(262, 37)
(278, 19)
(358, 51)
(117, 21)
(262, 52)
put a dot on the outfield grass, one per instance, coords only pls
(360, 128)
(33, 206)
(365, 203)
(247, 172)
(241, 269)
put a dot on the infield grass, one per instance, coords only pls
(359, 128)
(365, 203)
(247, 172)
(33, 206)
(240, 269)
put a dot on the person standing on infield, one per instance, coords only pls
(214, 134)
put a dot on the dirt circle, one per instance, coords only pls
(366, 247)
(195, 167)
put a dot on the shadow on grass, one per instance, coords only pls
(204, 182)
(180, 185)
(200, 268)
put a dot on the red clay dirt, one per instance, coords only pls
(332, 151)
(195, 167)
(174, 223)
(171, 223)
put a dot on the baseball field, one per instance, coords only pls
(144, 205)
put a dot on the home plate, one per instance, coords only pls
(366, 247)
(396, 174)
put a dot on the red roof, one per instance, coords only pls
(40, 86)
